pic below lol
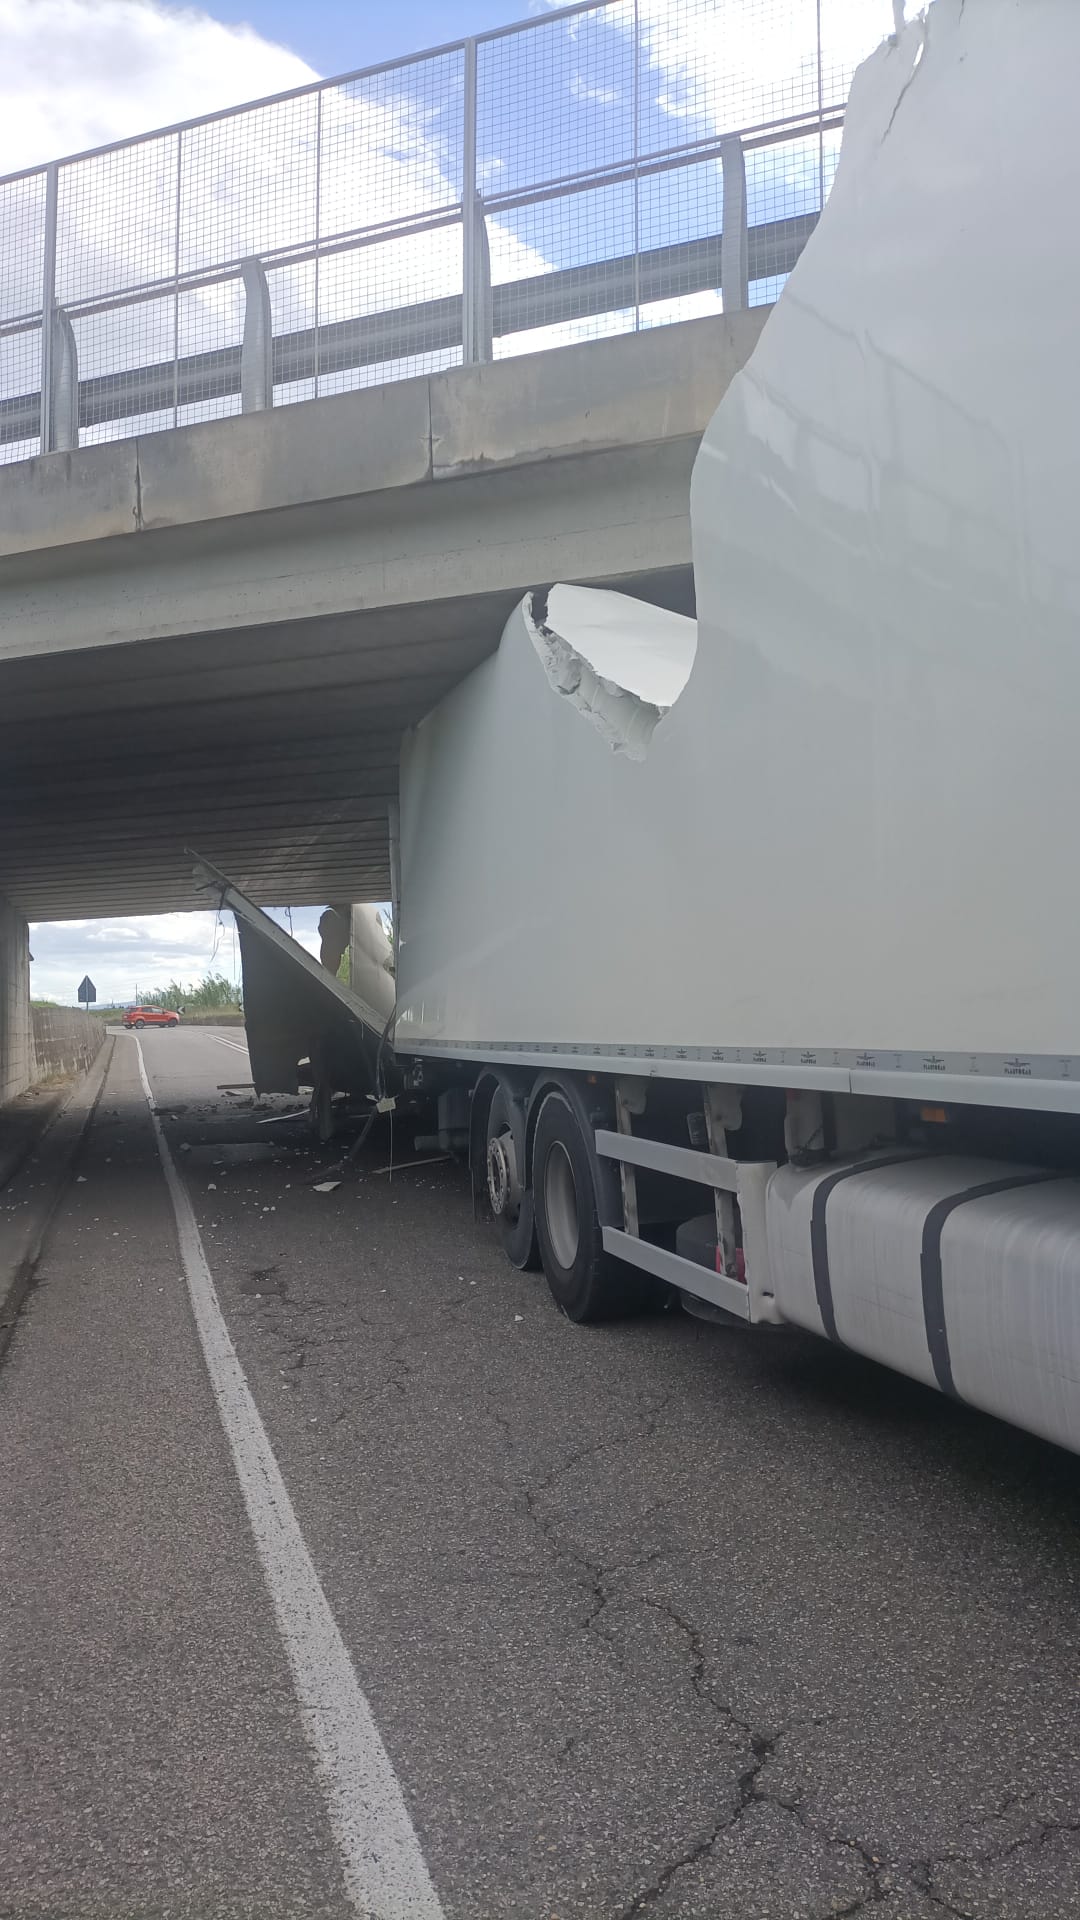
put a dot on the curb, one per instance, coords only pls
(62, 1135)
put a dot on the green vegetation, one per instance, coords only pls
(213, 994)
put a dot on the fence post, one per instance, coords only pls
(734, 238)
(48, 307)
(318, 229)
(477, 314)
(176, 278)
(257, 348)
(475, 253)
(636, 129)
(65, 384)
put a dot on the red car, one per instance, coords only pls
(151, 1017)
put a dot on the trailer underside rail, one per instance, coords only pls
(717, 1288)
(749, 1299)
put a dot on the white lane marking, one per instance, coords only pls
(386, 1876)
(238, 1046)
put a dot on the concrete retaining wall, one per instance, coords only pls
(16, 1039)
(65, 1040)
(36, 1043)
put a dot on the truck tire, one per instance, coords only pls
(585, 1282)
(513, 1212)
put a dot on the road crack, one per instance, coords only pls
(749, 1789)
(602, 1582)
(922, 1873)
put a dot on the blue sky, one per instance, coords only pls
(335, 36)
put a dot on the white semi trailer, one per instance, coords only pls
(745, 950)
(742, 953)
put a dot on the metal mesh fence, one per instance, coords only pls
(566, 179)
(22, 251)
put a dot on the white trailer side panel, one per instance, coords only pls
(849, 848)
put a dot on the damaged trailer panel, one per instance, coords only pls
(304, 1027)
(823, 839)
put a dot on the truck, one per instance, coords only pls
(737, 951)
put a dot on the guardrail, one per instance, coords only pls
(612, 165)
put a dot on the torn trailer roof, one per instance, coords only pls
(304, 1026)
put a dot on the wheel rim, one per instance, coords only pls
(561, 1205)
(503, 1190)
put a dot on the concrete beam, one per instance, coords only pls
(605, 515)
(87, 495)
(341, 448)
(633, 391)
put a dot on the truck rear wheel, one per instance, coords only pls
(585, 1282)
(511, 1202)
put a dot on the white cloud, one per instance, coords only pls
(598, 96)
(710, 68)
(746, 61)
(82, 72)
(78, 73)
(144, 953)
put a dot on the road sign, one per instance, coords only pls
(88, 991)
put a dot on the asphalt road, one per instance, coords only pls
(657, 1619)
